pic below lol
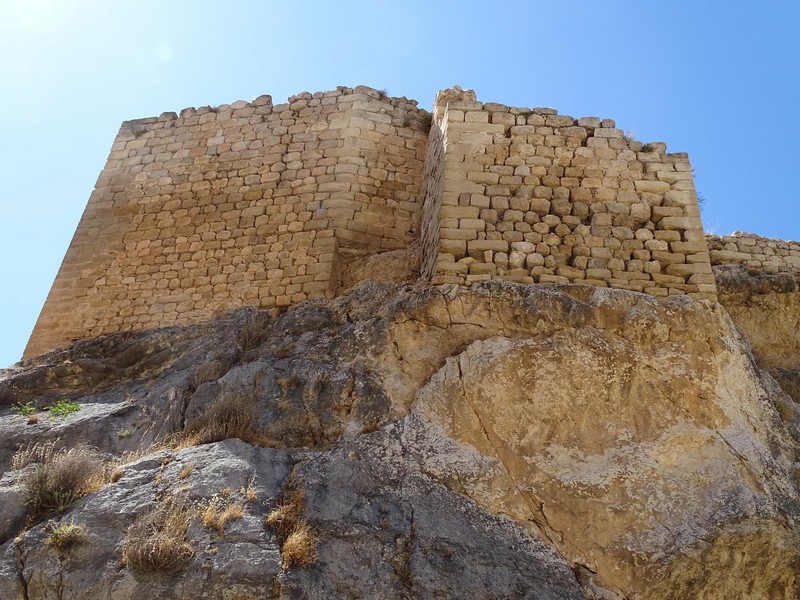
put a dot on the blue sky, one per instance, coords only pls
(720, 80)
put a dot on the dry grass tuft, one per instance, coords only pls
(59, 477)
(286, 514)
(231, 416)
(116, 474)
(218, 512)
(38, 452)
(300, 548)
(298, 540)
(284, 351)
(66, 536)
(156, 542)
(208, 371)
(249, 492)
(254, 330)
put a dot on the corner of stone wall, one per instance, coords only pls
(532, 196)
(243, 203)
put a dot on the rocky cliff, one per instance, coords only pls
(416, 441)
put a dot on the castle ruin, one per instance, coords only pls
(266, 205)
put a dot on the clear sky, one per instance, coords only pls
(720, 80)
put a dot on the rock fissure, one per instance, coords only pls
(541, 523)
(21, 569)
(743, 461)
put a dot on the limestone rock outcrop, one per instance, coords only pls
(766, 308)
(498, 441)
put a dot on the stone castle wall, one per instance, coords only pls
(535, 196)
(755, 252)
(267, 205)
(247, 203)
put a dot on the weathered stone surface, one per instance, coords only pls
(766, 309)
(504, 440)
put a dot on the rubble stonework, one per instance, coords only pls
(265, 205)
(536, 197)
(757, 253)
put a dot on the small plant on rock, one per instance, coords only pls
(60, 478)
(298, 540)
(218, 512)
(124, 434)
(25, 409)
(300, 548)
(207, 371)
(62, 408)
(230, 416)
(66, 536)
(156, 541)
(38, 452)
(253, 331)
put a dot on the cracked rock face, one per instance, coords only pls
(499, 441)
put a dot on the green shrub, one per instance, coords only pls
(23, 409)
(62, 408)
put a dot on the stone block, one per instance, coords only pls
(552, 279)
(687, 269)
(719, 257)
(589, 122)
(480, 246)
(458, 234)
(652, 187)
(482, 268)
(571, 272)
(534, 260)
(668, 258)
(458, 248)
(679, 223)
(459, 212)
(688, 247)
(474, 224)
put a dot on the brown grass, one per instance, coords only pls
(298, 540)
(300, 548)
(284, 351)
(231, 416)
(59, 478)
(208, 371)
(38, 452)
(156, 542)
(218, 512)
(286, 514)
(249, 492)
(66, 536)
